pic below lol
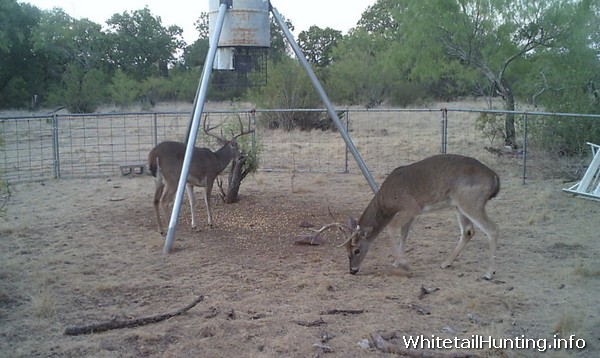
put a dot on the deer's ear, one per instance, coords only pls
(352, 223)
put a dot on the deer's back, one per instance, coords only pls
(170, 158)
(438, 179)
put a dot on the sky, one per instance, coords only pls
(340, 15)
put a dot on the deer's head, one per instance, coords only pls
(358, 241)
(227, 145)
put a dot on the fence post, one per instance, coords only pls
(55, 147)
(155, 130)
(525, 134)
(444, 145)
(346, 171)
(253, 126)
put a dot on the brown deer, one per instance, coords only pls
(166, 160)
(436, 182)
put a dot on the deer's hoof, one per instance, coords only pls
(489, 276)
(401, 264)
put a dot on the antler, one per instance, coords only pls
(242, 132)
(340, 226)
(207, 130)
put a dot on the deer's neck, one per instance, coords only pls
(375, 216)
(224, 155)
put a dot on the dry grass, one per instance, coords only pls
(43, 303)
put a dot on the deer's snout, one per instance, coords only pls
(353, 270)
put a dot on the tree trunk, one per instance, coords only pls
(236, 175)
(509, 121)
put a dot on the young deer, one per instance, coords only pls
(166, 160)
(436, 182)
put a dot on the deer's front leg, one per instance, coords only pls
(398, 225)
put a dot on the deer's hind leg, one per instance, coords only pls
(207, 192)
(160, 186)
(168, 192)
(466, 233)
(189, 188)
(477, 215)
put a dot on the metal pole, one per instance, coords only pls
(444, 148)
(55, 148)
(191, 140)
(525, 134)
(324, 98)
(154, 130)
(347, 130)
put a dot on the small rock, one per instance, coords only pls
(323, 347)
(364, 344)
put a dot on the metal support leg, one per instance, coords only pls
(332, 114)
(193, 130)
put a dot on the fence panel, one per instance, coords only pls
(26, 149)
(68, 146)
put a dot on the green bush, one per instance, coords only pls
(123, 89)
(564, 136)
(289, 87)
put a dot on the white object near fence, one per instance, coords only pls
(589, 186)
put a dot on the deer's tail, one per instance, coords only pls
(153, 164)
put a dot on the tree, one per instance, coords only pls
(357, 70)
(141, 46)
(495, 38)
(21, 74)
(75, 61)
(317, 44)
(123, 90)
(246, 163)
(279, 47)
(287, 87)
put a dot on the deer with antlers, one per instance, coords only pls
(166, 161)
(436, 182)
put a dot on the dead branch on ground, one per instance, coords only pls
(344, 312)
(116, 324)
(316, 323)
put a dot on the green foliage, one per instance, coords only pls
(15, 93)
(81, 92)
(564, 136)
(123, 90)
(317, 45)
(20, 71)
(359, 70)
(491, 125)
(194, 55)
(288, 87)
(279, 50)
(141, 45)
(250, 148)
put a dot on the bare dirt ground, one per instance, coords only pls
(87, 250)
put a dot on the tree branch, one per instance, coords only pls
(110, 325)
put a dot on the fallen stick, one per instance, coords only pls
(344, 312)
(110, 325)
(316, 323)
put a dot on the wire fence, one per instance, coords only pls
(37, 148)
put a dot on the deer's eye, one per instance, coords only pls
(356, 252)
